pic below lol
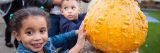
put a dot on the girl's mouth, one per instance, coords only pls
(37, 45)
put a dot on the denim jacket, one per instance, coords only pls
(53, 43)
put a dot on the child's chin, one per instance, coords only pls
(72, 19)
(37, 50)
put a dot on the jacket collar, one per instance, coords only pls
(48, 48)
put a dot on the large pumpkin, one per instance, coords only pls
(115, 26)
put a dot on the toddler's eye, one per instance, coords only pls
(65, 8)
(73, 8)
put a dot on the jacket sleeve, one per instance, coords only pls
(61, 39)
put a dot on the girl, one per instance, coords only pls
(19, 4)
(30, 27)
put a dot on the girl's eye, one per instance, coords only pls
(29, 33)
(42, 31)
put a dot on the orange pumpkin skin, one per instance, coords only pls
(115, 26)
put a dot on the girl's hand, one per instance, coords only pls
(81, 35)
(80, 41)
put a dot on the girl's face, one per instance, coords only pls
(33, 33)
(70, 10)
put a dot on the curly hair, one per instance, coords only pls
(20, 15)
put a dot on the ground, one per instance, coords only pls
(3, 48)
(152, 44)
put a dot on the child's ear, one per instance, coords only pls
(80, 10)
(61, 10)
(17, 36)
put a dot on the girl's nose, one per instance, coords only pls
(37, 37)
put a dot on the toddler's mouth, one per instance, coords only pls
(70, 16)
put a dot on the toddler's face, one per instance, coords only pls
(70, 10)
(34, 33)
